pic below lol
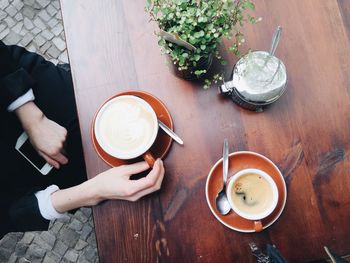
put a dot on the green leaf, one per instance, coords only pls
(249, 5)
(148, 4)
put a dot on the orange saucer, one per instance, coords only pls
(239, 161)
(162, 143)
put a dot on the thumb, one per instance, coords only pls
(49, 160)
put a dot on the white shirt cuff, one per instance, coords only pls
(45, 204)
(28, 96)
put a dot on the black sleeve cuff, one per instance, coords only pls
(14, 85)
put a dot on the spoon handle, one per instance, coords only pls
(225, 161)
(275, 39)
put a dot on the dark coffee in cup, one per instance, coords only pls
(252, 194)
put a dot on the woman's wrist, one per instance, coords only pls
(29, 115)
(84, 194)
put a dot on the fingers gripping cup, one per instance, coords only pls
(126, 127)
(253, 195)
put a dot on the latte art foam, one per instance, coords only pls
(127, 126)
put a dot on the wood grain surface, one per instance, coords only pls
(112, 48)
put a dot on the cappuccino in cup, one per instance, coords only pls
(126, 127)
(252, 194)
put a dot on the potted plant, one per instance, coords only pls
(191, 31)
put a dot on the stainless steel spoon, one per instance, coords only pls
(275, 40)
(222, 203)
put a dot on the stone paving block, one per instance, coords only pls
(76, 225)
(10, 21)
(13, 38)
(68, 236)
(81, 244)
(48, 237)
(21, 249)
(27, 38)
(18, 27)
(53, 22)
(60, 248)
(51, 10)
(2, 26)
(48, 259)
(90, 252)
(36, 30)
(82, 259)
(3, 4)
(71, 256)
(19, 17)
(44, 15)
(28, 237)
(43, 49)
(11, 10)
(5, 253)
(66, 218)
(53, 52)
(36, 6)
(29, 2)
(18, 4)
(42, 243)
(57, 29)
(4, 33)
(39, 23)
(87, 211)
(23, 260)
(56, 4)
(3, 14)
(59, 43)
(13, 258)
(56, 226)
(47, 34)
(63, 36)
(54, 61)
(35, 252)
(39, 40)
(28, 24)
(92, 238)
(85, 232)
(51, 258)
(59, 15)
(43, 3)
(28, 11)
(32, 48)
(79, 215)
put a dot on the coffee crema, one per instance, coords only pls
(127, 127)
(252, 194)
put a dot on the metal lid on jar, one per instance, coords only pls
(259, 78)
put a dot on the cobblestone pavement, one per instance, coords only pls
(37, 25)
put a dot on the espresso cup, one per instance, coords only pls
(253, 195)
(126, 127)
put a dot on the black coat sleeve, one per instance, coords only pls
(15, 81)
(25, 214)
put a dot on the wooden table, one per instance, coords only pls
(112, 48)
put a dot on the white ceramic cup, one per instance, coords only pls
(108, 110)
(256, 217)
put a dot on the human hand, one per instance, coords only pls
(115, 183)
(45, 135)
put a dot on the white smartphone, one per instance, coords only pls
(25, 148)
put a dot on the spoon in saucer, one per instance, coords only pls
(222, 203)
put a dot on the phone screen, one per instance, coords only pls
(28, 150)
